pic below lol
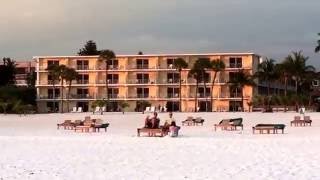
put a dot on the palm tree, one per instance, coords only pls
(297, 67)
(61, 72)
(54, 72)
(107, 55)
(216, 66)
(241, 80)
(267, 73)
(283, 72)
(69, 75)
(203, 64)
(180, 64)
(123, 105)
(197, 75)
(317, 49)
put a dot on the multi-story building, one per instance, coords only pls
(152, 78)
(23, 69)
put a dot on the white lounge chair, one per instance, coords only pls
(153, 109)
(147, 109)
(103, 109)
(74, 110)
(165, 109)
(97, 110)
(79, 109)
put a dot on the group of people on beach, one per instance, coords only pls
(169, 127)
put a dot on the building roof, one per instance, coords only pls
(152, 55)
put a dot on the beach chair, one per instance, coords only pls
(85, 126)
(153, 109)
(301, 122)
(307, 120)
(98, 124)
(79, 109)
(97, 110)
(103, 109)
(268, 128)
(147, 109)
(237, 122)
(66, 124)
(224, 124)
(165, 109)
(198, 121)
(189, 121)
(74, 110)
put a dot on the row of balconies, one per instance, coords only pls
(142, 96)
(135, 81)
(133, 67)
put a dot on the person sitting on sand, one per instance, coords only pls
(152, 122)
(167, 123)
(174, 129)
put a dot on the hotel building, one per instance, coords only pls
(152, 78)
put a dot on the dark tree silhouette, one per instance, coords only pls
(90, 49)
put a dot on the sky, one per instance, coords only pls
(270, 28)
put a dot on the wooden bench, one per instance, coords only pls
(150, 132)
(100, 126)
(82, 128)
(188, 123)
(229, 124)
(268, 128)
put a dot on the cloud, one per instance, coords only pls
(60, 27)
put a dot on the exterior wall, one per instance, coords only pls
(157, 69)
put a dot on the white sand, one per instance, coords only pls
(32, 148)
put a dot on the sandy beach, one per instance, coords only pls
(32, 148)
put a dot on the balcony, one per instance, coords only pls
(172, 81)
(50, 96)
(173, 95)
(113, 96)
(235, 65)
(82, 67)
(204, 95)
(81, 96)
(82, 81)
(142, 66)
(142, 95)
(140, 81)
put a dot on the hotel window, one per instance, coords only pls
(172, 92)
(142, 92)
(206, 78)
(173, 77)
(52, 95)
(52, 62)
(113, 64)
(142, 78)
(82, 64)
(232, 76)
(83, 79)
(203, 94)
(235, 92)
(142, 63)
(82, 93)
(235, 62)
(113, 78)
(170, 62)
(113, 92)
